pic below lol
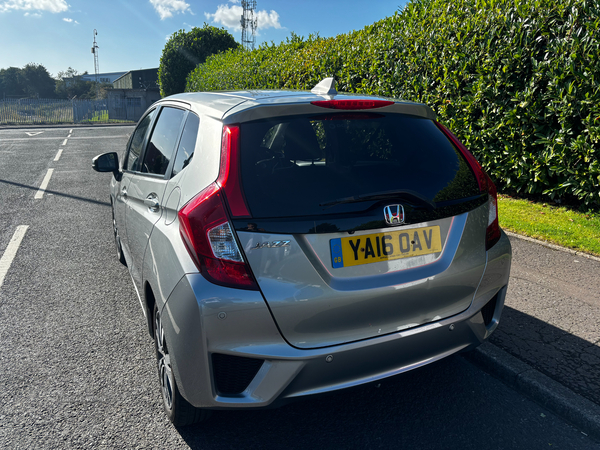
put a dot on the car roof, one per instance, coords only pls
(237, 105)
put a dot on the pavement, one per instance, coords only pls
(547, 345)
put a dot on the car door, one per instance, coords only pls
(131, 164)
(146, 187)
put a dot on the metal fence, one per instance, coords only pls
(49, 111)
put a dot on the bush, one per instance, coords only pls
(185, 50)
(516, 81)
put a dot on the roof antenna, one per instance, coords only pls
(325, 87)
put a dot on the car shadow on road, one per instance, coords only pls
(562, 356)
(62, 194)
(449, 404)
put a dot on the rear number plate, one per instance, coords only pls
(370, 248)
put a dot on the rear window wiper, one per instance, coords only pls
(407, 195)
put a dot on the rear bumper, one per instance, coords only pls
(207, 319)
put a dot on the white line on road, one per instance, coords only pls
(11, 251)
(116, 136)
(64, 142)
(57, 157)
(40, 193)
(71, 131)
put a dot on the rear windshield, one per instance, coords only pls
(304, 165)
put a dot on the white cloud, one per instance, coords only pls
(54, 6)
(268, 20)
(166, 8)
(230, 16)
(32, 14)
(66, 19)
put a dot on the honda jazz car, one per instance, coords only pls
(290, 243)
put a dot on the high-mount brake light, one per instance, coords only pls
(348, 116)
(485, 183)
(204, 222)
(352, 104)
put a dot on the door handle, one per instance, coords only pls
(152, 203)
(124, 193)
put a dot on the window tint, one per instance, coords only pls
(292, 166)
(185, 150)
(162, 141)
(133, 162)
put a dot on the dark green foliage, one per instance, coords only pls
(70, 85)
(38, 81)
(185, 50)
(33, 81)
(517, 82)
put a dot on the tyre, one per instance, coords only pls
(179, 411)
(120, 254)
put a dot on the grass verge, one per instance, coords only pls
(551, 222)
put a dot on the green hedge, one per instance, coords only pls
(517, 81)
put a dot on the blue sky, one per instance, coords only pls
(131, 34)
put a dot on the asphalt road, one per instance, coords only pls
(551, 316)
(77, 363)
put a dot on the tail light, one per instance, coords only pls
(204, 222)
(486, 184)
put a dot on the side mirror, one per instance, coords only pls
(107, 162)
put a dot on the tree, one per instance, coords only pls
(33, 80)
(11, 82)
(185, 50)
(38, 82)
(70, 85)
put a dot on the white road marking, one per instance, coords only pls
(71, 131)
(116, 136)
(64, 142)
(33, 133)
(11, 251)
(40, 193)
(57, 157)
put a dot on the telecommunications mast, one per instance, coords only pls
(96, 64)
(248, 24)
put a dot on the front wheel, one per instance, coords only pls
(179, 411)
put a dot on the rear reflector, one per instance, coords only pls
(352, 104)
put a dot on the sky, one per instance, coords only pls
(132, 34)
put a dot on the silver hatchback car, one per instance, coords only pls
(287, 243)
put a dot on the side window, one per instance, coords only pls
(185, 150)
(134, 151)
(162, 141)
